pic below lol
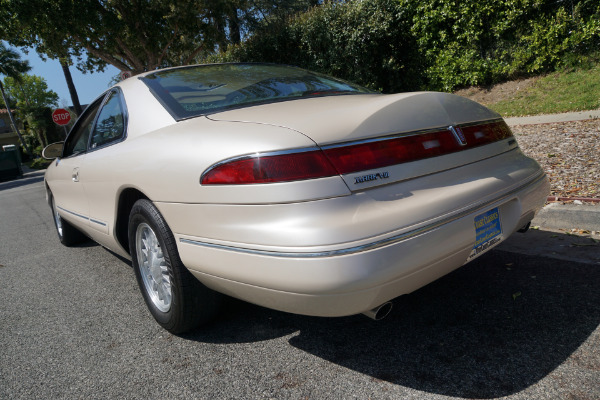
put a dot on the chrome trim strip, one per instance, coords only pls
(82, 216)
(374, 245)
(406, 134)
(485, 122)
(97, 222)
(73, 213)
(384, 138)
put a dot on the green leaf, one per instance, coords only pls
(515, 295)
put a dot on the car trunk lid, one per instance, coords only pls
(346, 118)
(379, 139)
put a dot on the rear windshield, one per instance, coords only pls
(203, 89)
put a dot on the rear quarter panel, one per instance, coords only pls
(166, 165)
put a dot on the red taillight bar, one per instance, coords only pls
(377, 153)
(371, 155)
(269, 168)
(353, 157)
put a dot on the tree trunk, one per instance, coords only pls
(42, 137)
(234, 27)
(13, 122)
(72, 91)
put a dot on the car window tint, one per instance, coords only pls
(110, 124)
(77, 141)
(201, 89)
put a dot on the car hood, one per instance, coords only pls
(334, 119)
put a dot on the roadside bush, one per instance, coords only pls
(401, 45)
(32, 142)
(40, 163)
(560, 39)
(471, 43)
(368, 42)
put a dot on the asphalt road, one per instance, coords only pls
(73, 325)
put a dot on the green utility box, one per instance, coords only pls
(10, 163)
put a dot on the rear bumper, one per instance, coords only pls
(352, 277)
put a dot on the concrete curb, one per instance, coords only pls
(568, 216)
(583, 199)
(28, 172)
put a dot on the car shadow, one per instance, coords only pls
(5, 185)
(489, 329)
(120, 257)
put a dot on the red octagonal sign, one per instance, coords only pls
(61, 116)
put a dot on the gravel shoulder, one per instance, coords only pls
(569, 152)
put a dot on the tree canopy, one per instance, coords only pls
(12, 67)
(30, 92)
(11, 64)
(34, 103)
(135, 35)
(392, 45)
(132, 35)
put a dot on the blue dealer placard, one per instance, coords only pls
(488, 232)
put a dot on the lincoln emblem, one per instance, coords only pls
(458, 134)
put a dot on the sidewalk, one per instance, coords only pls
(550, 118)
(31, 172)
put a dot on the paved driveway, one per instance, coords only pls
(73, 325)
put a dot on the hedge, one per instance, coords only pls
(404, 45)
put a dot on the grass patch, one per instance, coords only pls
(575, 90)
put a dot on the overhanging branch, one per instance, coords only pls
(137, 64)
(193, 54)
(104, 56)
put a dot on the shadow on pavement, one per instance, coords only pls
(556, 244)
(21, 182)
(492, 328)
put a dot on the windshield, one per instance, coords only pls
(202, 89)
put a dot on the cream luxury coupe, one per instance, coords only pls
(286, 188)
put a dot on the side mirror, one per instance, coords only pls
(53, 151)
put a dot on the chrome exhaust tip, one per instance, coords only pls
(525, 228)
(380, 312)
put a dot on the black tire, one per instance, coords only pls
(67, 233)
(190, 303)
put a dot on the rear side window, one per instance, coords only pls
(110, 125)
(78, 138)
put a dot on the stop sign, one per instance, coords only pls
(61, 116)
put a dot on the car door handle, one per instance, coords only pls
(75, 175)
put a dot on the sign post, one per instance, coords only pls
(62, 117)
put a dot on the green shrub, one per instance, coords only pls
(471, 43)
(39, 163)
(368, 42)
(401, 45)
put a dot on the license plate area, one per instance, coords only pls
(488, 232)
